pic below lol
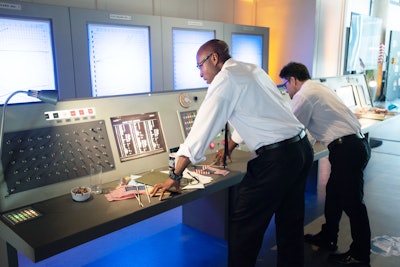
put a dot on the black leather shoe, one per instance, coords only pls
(320, 241)
(348, 259)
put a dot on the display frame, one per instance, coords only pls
(363, 43)
(168, 24)
(61, 40)
(133, 143)
(79, 20)
(231, 29)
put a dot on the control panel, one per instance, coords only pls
(47, 149)
(187, 120)
(43, 156)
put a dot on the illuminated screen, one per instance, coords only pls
(26, 57)
(247, 48)
(392, 84)
(364, 39)
(120, 60)
(187, 120)
(138, 135)
(185, 44)
(346, 94)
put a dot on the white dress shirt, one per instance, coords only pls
(323, 113)
(244, 95)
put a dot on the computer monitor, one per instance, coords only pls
(346, 94)
(363, 44)
(181, 40)
(359, 82)
(115, 54)
(352, 89)
(35, 51)
(392, 77)
(248, 43)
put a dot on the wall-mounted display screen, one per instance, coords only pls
(26, 57)
(363, 44)
(392, 84)
(138, 135)
(35, 50)
(120, 59)
(185, 43)
(247, 48)
(248, 43)
(181, 39)
(116, 53)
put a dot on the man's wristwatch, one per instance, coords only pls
(174, 176)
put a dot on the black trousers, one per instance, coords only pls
(345, 192)
(273, 184)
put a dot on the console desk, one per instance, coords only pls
(66, 224)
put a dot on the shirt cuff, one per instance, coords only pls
(184, 151)
(236, 137)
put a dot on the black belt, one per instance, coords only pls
(294, 139)
(345, 138)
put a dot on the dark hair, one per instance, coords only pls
(219, 47)
(296, 70)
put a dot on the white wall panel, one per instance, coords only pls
(177, 8)
(329, 39)
(245, 12)
(221, 10)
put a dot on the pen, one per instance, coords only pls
(194, 177)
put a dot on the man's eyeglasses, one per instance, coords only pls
(284, 84)
(204, 60)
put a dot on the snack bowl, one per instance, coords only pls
(81, 193)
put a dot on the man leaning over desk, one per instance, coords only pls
(274, 183)
(333, 124)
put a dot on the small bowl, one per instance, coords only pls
(81, 193)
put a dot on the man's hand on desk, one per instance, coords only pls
(219, 158)
(219, 155)
(164, 186)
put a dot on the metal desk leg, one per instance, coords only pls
(12, 256)
(8, 255)
(209, 214)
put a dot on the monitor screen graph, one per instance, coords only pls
(247, 48)
(364, 40)
(185, 44)
(27, 57)
(120, 59)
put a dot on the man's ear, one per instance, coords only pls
(215, 58)
(294, 80)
